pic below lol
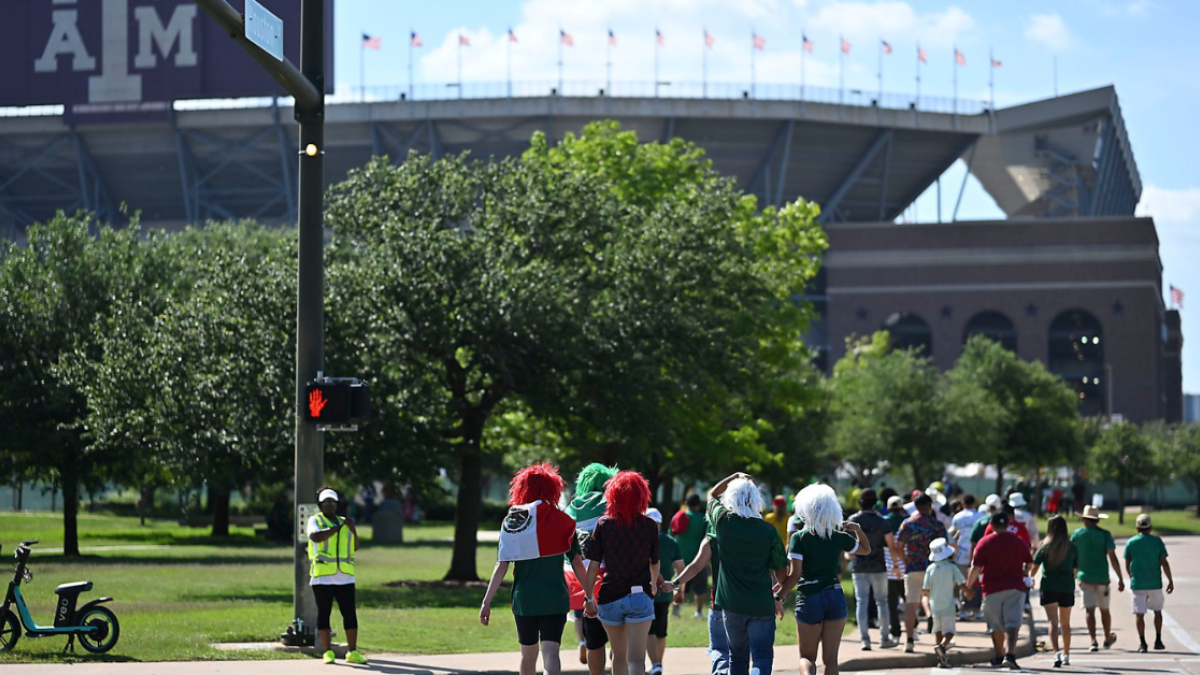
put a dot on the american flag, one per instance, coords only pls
(415, 39)
(1176, 297)
(512, 37)
(807, 44)
(959, 57)
(922, 56)
(566, 38)
(709, 39)
(845, 45)
(760, 42)
(464, 40)
(995, 63)
(612, 38)
(887, 49)
(372, 42)
(658, 37)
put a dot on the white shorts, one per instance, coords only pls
(944, 624)
(1143, 600)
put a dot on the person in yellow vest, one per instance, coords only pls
(332, 541)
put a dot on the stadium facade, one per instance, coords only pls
(1070, 264)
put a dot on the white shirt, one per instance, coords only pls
(1026, 518)
(964, 521)
(339, 579)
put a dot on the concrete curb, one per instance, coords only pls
(957, 657)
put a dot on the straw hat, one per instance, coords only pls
(1092, 513)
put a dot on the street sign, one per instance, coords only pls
(264, 29)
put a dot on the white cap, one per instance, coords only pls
(654, 514)
(992, 503)
(327, 494)
(1016, 500)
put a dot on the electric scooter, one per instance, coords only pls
(95, 626)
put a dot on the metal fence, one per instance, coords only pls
(592, 89)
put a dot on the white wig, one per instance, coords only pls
(743, 498)
(818, 507)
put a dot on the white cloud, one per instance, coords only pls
(866, 22)
(1049, 30)
(1137, 8)
(1176, 213)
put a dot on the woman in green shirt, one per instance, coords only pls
(816, 560)
(1058, 559)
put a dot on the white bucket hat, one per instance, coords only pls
(939, 549)
(1016, 500)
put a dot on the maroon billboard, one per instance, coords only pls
(130, 55)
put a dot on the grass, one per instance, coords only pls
(187, 590)
(1166, 523)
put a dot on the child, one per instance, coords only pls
(943, 580)
(1145, 561)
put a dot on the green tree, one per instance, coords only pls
(1030, 416)
(1178, 453)
(1122, 454)
(624, 292)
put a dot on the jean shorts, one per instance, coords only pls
(637, 607)
(826, 605)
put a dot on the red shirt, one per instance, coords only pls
(1002, 558)
(1013, 527)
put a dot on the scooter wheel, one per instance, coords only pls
(107, 630)
(10, 631)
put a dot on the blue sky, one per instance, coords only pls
(1147, 48)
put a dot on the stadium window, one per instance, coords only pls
(907, 330)
(994, 326)
(1076, 355)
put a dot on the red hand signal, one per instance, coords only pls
(316, 402)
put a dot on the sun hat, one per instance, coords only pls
(1016, 500)
(937, 496)
(939, 549)
(1092, 513)
(327, 494)
(1143, 521)
(992, 502)
(654, 514)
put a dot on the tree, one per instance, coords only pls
(1123, 455)
(1036, 422)
(1178, 454)
(55, 294)
(623, 291)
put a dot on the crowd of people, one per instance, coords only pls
(614, 565)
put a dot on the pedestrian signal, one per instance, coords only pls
(337, 403)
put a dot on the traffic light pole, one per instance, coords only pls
(307, 86)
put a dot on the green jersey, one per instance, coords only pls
(1145, 553)
(1058, 578)
(539, 587)
(689, 540)
(1093, 543)
(821, 559)
(668, 555)
(750, 550)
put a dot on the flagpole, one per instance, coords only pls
(656, 46)
(803, 48)
(362, 70)
(410, 64)
(880, 100)
(608, 65)
(841, 71)
(956, 79)
(510, 41)
(753, 77)
(460, 46)
(991, 79)
(917, 103)
(560, 57)
(704, 66)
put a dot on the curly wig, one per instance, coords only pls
(743, 498)
(627, 495)
(818, 507)
(593, 477)
(540, 481)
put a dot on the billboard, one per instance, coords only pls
(133, 55)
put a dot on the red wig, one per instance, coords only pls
(627, 495)
(540, 481)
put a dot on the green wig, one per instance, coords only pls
(593, 477)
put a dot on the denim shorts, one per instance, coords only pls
(633, 608)
(826, 605)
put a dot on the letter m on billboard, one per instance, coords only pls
(97, 52)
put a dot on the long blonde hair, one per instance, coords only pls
(817, 505)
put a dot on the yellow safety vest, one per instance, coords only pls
(328, 560)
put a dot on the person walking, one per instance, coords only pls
(688, 527)
(1097, 553)
(893, 560)
(718, 642)
(750, 553)
(534, 539)
(587, 507)
(1022, 515)
(625, 541)
(332, 543)
(914, 537)
(1001, 563)
(1146, 562)
(778, 517)
(869, 571)
(668, 553)
(943, 581)
(961, 527)
(1058, 559)
(816, 560)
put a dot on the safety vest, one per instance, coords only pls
(335, 554)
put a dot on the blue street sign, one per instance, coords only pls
(264, 29)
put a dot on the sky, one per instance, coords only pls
(1146, 48)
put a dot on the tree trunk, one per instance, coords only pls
(1000, 480)
(218, 500)
(70, 488)
(918, 478)
(145, 503)
(667, 504)
(1120, 503)
(469, 506)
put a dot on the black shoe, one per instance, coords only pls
(1158, 644)
(1142, 649)
(1010, 662)
(997, 662)
(940, 652)
(1094, 648)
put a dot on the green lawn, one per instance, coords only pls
(186, 590)
(1165, 523)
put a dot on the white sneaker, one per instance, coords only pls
(1066, 659)
(698, 615)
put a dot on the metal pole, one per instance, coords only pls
(991, 80)
(963, 187)
(560, 68)
(880, 73)
(460, 46)
(939, 199)
(753, 78)
(841, 75)
(608, 66)
(656, 64)
(704, 67)
(411, 34)
(510, 33)
(310, 297)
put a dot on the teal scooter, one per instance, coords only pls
(94, 625)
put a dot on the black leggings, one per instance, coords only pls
(344, 594)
